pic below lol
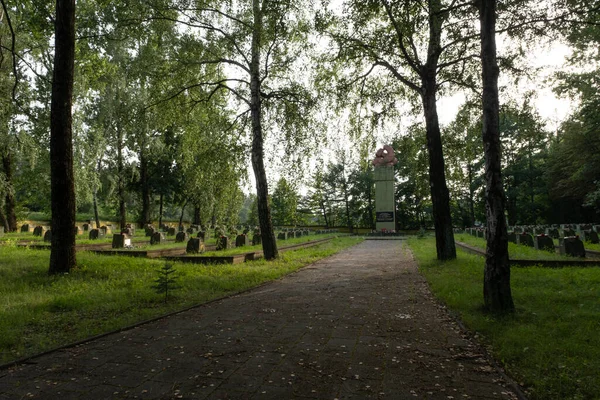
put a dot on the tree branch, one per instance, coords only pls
(12, 51)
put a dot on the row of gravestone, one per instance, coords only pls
(568, 245)
(585, 235)
(284, 235)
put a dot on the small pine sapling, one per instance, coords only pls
(167, 280)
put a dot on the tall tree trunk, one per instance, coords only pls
(182, 212)
(324, 211)
(95, 198)
(10, 202)
(121, 180)
(471, 194)
(145, 214)
(496, 283)
(62, 253)
(440, 196)
(3, 220)
(197, 215)
(269, 243)
(160, 210)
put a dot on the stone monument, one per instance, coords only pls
(385, 202)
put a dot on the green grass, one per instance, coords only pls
(515, 251)
(39, 312)
(551, 344)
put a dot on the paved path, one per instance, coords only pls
(359, 325)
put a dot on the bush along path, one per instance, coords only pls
(361, 324)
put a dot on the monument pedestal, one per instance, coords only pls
(385, 205)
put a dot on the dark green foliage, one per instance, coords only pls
(166, 281)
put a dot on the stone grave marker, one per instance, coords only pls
(242, 240)
(512, 237)
(104, 230)
(96, 234)
(222, 243)
(590, 236)
(182, 237)
(39, 231)
(190, 230)
(571, 246)
(256, 239)
(25, 228)
(525, 239)
(480, 233)
(568, 232)
(543, 242)
(149, 230)
(157, 238)
(127, 231)
(553, 233)
(120, 241)
(201, 235)
(48, 236)
(194, 246)
(87, 227)
(282, 236)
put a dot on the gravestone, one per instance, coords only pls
(480, 233)
(246, 231)
(553, 233)
(164, 227)
(525, 239)
(256, 239)
(171, 232)
(242, 240)
(77, 230)
(512, 237)
(190, 230)
(571, 246)
(201, 235)
(590, 236)
(127, 231)
(149, 230)
(96, 234)
(282, 236)
(181, 237)
(222, 243)
(543, 242)
(194, 246)
(385, 204)
(157, 238)
(39, 231)
(568, 232)
(87, 227)
(120, 240)
(48, 236)
(25, 228)
(104, 230)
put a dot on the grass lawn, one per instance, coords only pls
(551, 344)
(39, 312)
(515, 251)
